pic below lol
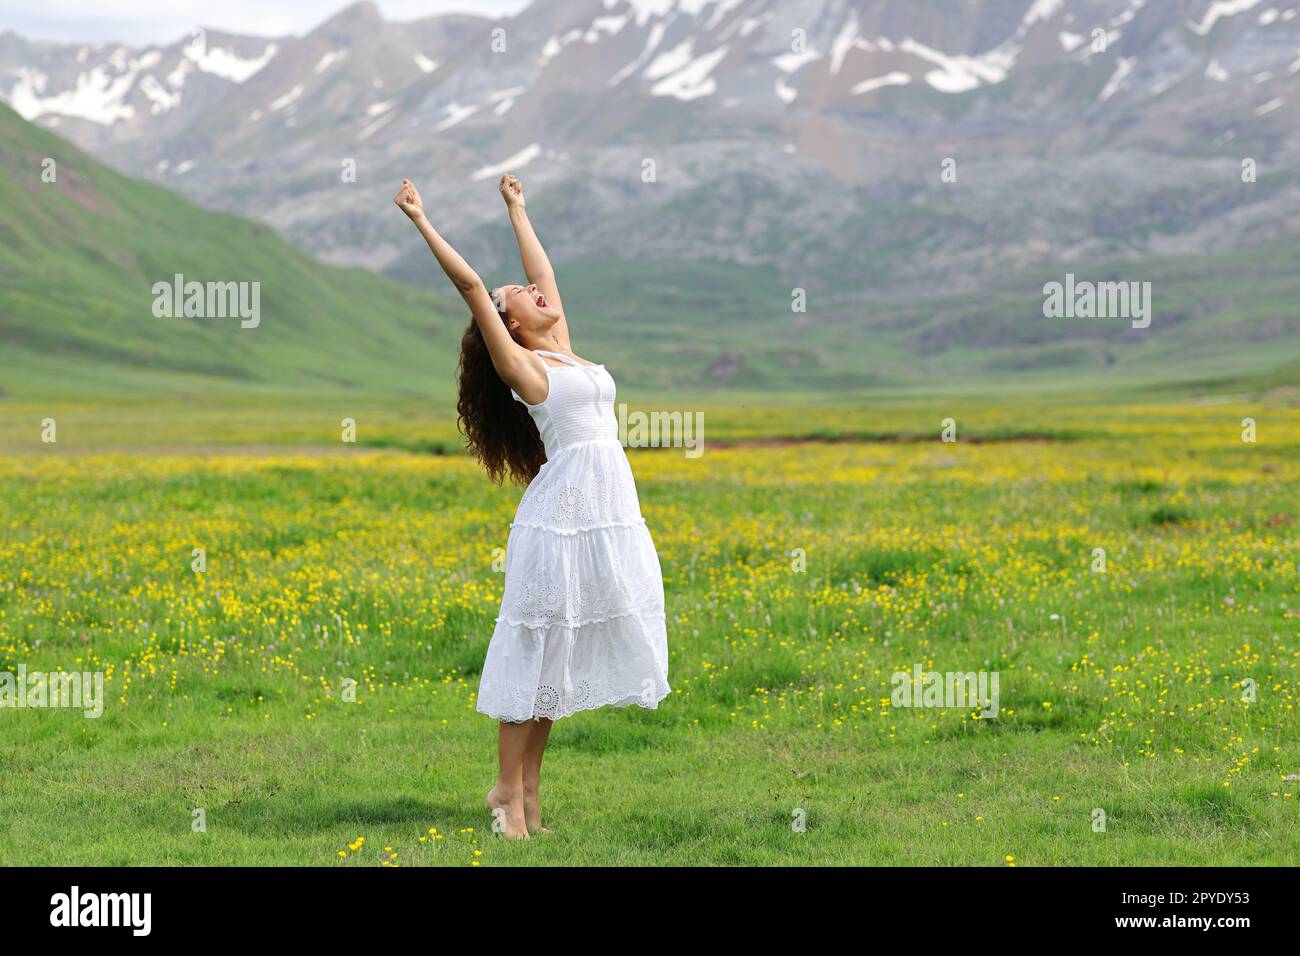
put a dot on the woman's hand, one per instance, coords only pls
(512, 191)
(408, 200)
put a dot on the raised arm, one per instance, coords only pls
(537, 268)
(510, 359)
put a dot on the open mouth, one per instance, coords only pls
(541, 301)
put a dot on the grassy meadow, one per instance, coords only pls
(825, 540)
(809, 554)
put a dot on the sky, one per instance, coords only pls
(162, 21)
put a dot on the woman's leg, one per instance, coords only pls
(506, 799)
(537, 737)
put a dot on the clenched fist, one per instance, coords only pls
(512, 191)
(408, 200)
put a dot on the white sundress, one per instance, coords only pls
(582, 617)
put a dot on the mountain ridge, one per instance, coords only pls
(815, 102)
(1099, 136)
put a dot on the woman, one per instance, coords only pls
(582, 616)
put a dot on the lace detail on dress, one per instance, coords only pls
(605, 497)
(584, 579)
(520, 700)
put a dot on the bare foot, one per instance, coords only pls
(533, 812)
(507, 813)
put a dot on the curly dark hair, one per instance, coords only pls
(497, 429)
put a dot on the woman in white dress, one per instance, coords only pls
(582, 618)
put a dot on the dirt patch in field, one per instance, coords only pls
(887, 438)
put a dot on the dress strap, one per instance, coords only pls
(555, 355)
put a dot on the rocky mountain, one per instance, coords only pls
(875, 153)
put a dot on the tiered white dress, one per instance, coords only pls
(582, 617)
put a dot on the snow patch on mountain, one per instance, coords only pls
(176, 78)
(1127, 15)
(456, 113)
(720, 12)
(679, 57)
(1069, 41)
(425, 64)
(791, 62)
(603, 25)
(645, 10)
(555, 46)
(97, 96)
(652, 42)
(1041, 10)
(691, 81)
(959, 74)
(1219, 10)
(226, 63)
(518, 161)
(378, 124)
(287, 99)
(1122, 70)
(846, 40)
(161, 99)
(952, 73)
(896, 78)
(504, 99)
(328, 60)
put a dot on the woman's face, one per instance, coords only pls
(525, 308)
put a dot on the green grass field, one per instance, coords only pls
(1124, 692)
(826, 540)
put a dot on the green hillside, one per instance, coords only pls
(79, 257)
(703, 326)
